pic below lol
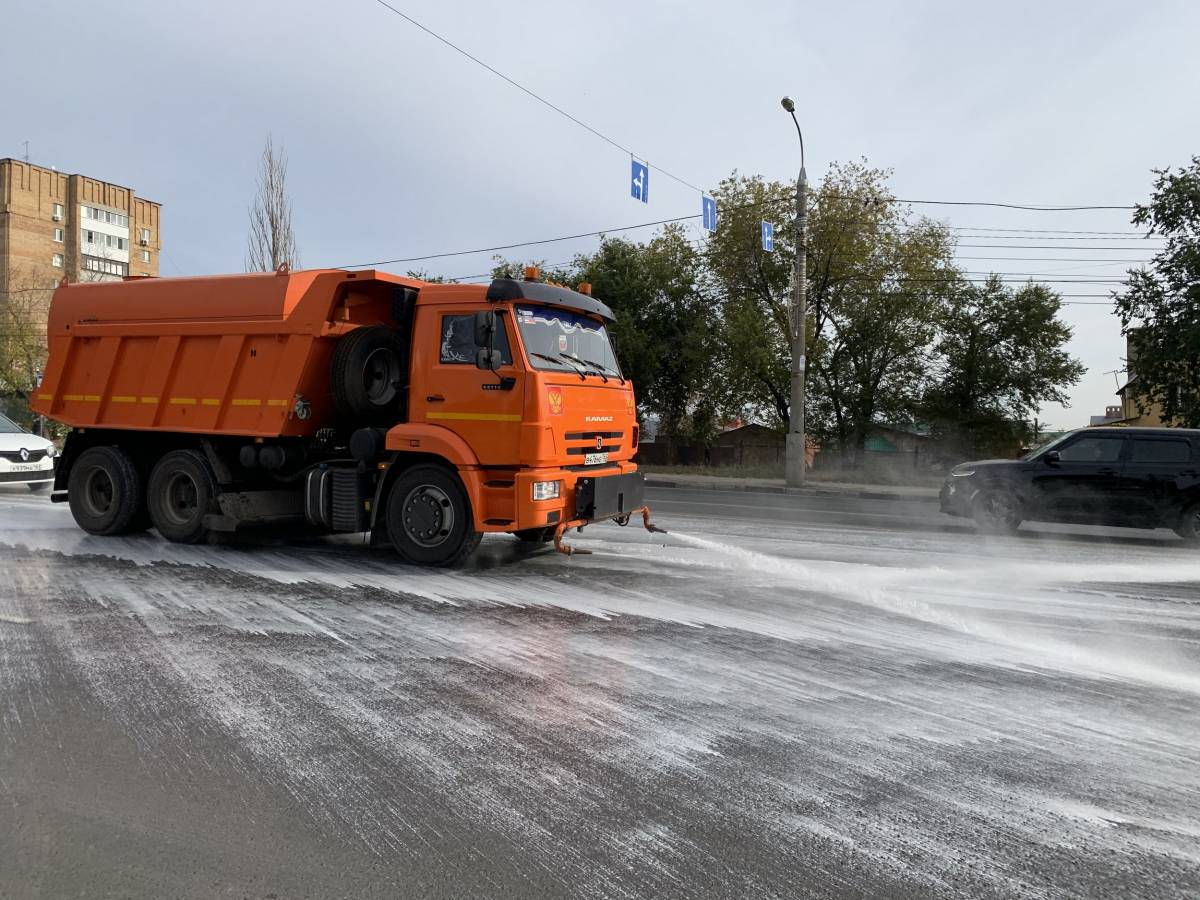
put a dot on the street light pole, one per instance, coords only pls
(796, 449)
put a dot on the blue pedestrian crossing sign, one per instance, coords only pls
(709, 209)
(768, 236)
(639, 182)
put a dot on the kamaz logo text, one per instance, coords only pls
(598, 419)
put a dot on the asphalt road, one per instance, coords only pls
(785, 697)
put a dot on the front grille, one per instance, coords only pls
(15, 455)
(44, 475)
(592, 435)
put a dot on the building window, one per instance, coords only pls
(119, 243)
(89, 237)
(105, 266)
(146, 256)
(145, 235)
(57, 260)
(58, 212)
(58, 235)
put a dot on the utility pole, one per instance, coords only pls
(796, 448)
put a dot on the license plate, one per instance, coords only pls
(25, 467)
(594, 459)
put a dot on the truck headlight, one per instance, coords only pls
(547, 490)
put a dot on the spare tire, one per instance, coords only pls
(369, 374)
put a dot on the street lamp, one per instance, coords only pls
(796, 450)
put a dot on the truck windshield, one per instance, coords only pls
(553, 336)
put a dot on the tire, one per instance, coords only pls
(429, 517)
(39, 487)
(181, 492)
(1189, 524)
(996, 511)
(369, 372)
(535, 536)
(104, 491)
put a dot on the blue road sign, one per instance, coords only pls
(768, 236)
(709, 208)
(639, 182)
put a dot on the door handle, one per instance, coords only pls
(435, 398)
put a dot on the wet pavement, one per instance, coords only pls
(785, 697)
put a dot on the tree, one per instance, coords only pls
(1160, 308)
(1000, 355)
(24, 304)
(877, 280)
(271, 242)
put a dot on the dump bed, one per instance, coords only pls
(236, 354)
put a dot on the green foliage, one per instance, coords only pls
(876, 280)
(1160, 308)
(1000, 354)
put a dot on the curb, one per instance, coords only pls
(652, 481)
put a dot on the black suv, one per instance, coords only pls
(1135, 477)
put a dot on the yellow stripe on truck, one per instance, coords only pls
(475, 417)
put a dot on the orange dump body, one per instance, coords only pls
(249, 356)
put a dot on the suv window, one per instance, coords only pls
(458, 340)
(1160, 450)
(1094, 448)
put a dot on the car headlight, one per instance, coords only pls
(51, 452)
(960, 472)
(547, 490)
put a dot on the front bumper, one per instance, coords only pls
(27, 473)
(594, 494)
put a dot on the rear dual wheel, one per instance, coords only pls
(181, 492)
(104, 491)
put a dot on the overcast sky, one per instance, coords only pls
(400, 147)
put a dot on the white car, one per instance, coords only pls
(25, 458)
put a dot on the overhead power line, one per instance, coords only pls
(536, 96)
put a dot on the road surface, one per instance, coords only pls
(785, 697)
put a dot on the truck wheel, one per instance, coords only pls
(370, 368)
(543, 535)
(182, 491)
(1189, 524)
(429, 517)
(996, 511)
(104, 491)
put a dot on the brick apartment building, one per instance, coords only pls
(55, 226)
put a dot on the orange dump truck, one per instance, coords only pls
(426, 414)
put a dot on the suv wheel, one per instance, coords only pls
(996, 511)
(1189, 524)
(429, 517)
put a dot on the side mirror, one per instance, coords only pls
(485, 328)
(1052, 458)
(488, 359)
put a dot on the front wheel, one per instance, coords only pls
(1189, 524)
(996, 512)
(429, 517)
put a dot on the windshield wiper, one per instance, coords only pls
(604, 368)
(554, 359)
(587, 362)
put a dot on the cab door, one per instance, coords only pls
(484, 408)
